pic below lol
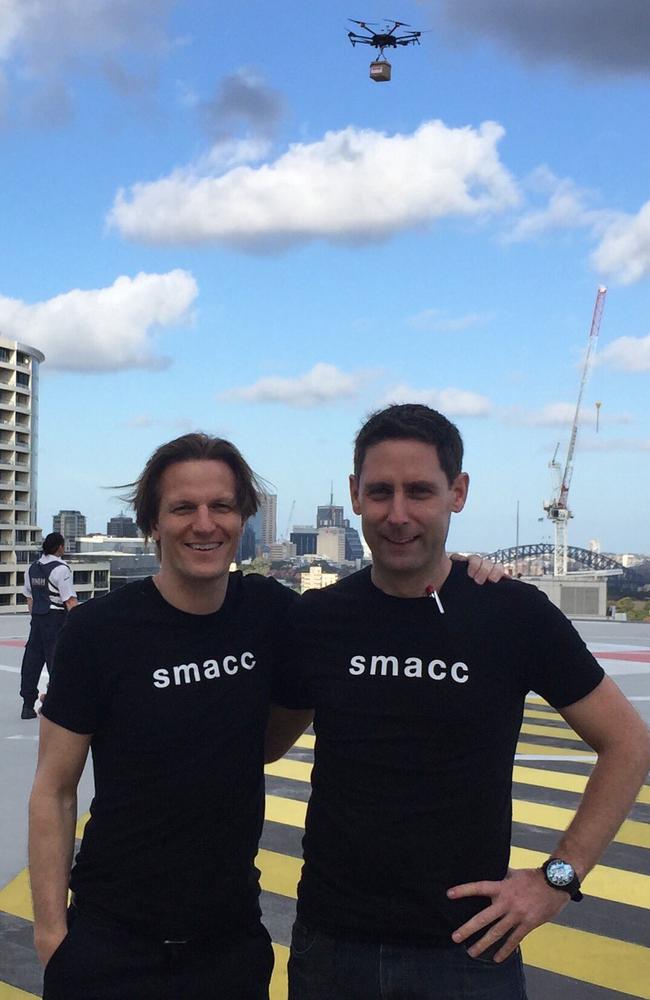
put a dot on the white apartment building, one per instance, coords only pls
(20, 535)
(315, 579)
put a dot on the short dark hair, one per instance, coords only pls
(412, 421)
(52, 543)
(197, 446)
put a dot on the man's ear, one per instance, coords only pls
(459, 488)
(354, 494)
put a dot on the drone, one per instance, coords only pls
(387, 39)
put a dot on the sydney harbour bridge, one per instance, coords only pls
(585, 557)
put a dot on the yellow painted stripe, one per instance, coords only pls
(612, 884)
(280, 873)
(287, 811)
(590, 958)
(558, 818)
(279, 985)
(535, 713)
(532, 729)
(547, 751)
(534, 699)
(562, 780)
(305, 742)
(8, 992)
(16, 897)
(296, 770)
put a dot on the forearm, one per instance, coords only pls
(608, 797)
(52, 820)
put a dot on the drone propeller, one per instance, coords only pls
(363, 24)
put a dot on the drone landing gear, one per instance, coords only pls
(380, 70)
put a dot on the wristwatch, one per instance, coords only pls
(560, 874)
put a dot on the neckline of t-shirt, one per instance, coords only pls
(449, 585)
(187, 616)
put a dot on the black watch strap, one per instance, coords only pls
(561, 875)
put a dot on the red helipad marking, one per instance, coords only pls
(642, 656)
(12, 642)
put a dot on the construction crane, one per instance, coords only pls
(289, 519)
(557, 510)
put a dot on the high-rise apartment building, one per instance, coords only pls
(72, 525)
(265, 521)
(20, 535)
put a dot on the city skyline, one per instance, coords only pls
(210, 226)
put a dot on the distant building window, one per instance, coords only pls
(22, 379)
(5, 355)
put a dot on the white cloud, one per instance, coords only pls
(437, 321)
(565, 207)
(628, 354)
(354, 186)
(559, 414)
(624, 251)
(45, 43)
(594, 443)
(322, 384)
(103, 329)
(452, 402)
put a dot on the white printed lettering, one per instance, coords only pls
(383, 663)
(161, 678)
(183, 671)
(210, 669)
(227, 660)
(413, 667)
(248, 660)
(357, 665)
(457, 670)
(438, 670)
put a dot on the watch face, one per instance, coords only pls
(560, 873)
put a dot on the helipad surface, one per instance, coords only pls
(599, 949)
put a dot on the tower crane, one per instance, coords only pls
(557, 510)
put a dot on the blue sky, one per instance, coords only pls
(212, 218)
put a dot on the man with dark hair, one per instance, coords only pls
(418, 679)
(50, 593)
(168, 682)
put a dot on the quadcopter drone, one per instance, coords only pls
(386, 39)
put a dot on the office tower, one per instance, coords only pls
(304, 537)
(122, 526)
(353, 546)
(329, 516)
(72, 525)
(20, 536)
(330, 544)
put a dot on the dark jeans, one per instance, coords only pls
(39, 649)
(326, 968)
(99, 960)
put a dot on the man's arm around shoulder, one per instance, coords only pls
(523, 900)
(283, 728)
(52, 820)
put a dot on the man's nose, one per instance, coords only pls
(203, 519)
(397, 513)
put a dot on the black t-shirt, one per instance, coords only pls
(417, 719)
(177, 705)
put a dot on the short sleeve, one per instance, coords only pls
(62, 580)
(561, 669)
(73, 698)
(292, 687)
